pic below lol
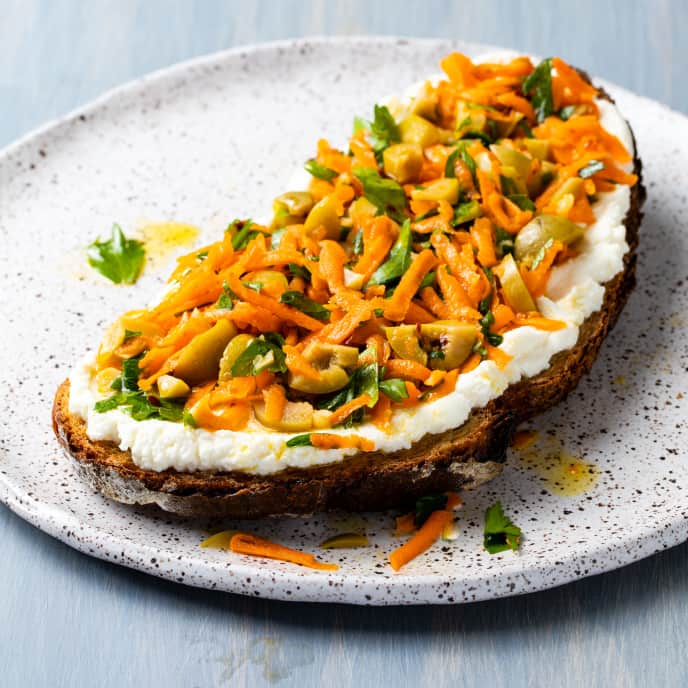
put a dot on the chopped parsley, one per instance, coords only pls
(385, 194)
(500, 533)
(118, 258)
(394, 388)
(263, 353)
(320, 171)
(305, 305)
(426, 505)
(538, 87)
(399, 258)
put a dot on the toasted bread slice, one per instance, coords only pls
(459, 459)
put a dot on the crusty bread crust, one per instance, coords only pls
(458, 459)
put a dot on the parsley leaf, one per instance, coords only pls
(142, 407)
(130, 374)
(566, 112)
(500, 533)
(426, 505)
(299, 441)
(241, 233)
(364, 380)
(591, 168)
(399, 258)
(299, 271)
(383, 193)
(118, 258)
(465, 212)
(358, 242)
(226, 300)
(460, 152)
(394, 388)
(130, 334)
(522, 201)
(263, 353)
(383, 129)
(320, 171)
(305, 305)
(538, 86)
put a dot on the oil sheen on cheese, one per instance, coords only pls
(574, 292)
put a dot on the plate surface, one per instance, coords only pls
(210, 140)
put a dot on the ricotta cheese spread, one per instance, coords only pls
(575, 291)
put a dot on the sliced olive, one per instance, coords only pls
(445, 189)
(403, 161)
(425, 105)
(324, 214)
(331, 362)
(296, 203)
(452, 341)
(235, 347)
(514, 165)
(405, 344)
(297, 417)
(468, 120)
(415, 129)
(361, 210)
(538, 181)
(540, 230)
(199, 360)
(345, 541)
(537, 148)
(515, 291)
(105, 378)
(271, 282)
(170, 387)
(571, 187)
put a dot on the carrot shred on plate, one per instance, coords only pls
(422, 540)
(244, 543)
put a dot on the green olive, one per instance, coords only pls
(297, 417)
(573, 186)
(361, 210)
(515, 291)
(404, 342)
(514, 164)
(235, 347)
(540, 230)
(415, 129)
(453, 340)
(324, 214)
(538, 182)
(297, 203)
(445, 189)
(331, 361)
(403, 161)
(198, 361)
(170, 387)
(537, 148)
(425, 105)
(469, 120)
(272, 282)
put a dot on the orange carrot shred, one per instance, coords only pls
(422, 540)
(244, 543)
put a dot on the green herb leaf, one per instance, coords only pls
(299, 441)
(522, 201)
(358, 243)
(305, 305)
(566, 112)
(428, 280)
(539, 256)
(263, 353)
(385, 194)
(500, 533)
(394, 388)
(399, 258)
(383, 129)
(360, 124)
(130, 334)
(426, 505)
(465, 212)
(226, 300)
(241, 233)
(460, 152)
(367, 381)
(363, 381)
(131, 373)
(119, 259)
(141, 406)
(188, 419)
(504, 242)
(320, 171)
(299, 271)
(591, 168)
(538, 86)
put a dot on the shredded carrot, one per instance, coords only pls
(231, 416)
(244, 543)
(345, 410)
(406, 369)
(405, 524)
(471, 363)
(397, 306)
(539, 323)
(275, 402)
(426, 536)
(447, 386)
(297, 363)
(501, 358)
(325, 440)
(382, 413)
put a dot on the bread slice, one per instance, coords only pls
(459, 459)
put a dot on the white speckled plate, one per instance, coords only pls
(209, 140)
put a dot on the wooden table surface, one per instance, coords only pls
(68, 620)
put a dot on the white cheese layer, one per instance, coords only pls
(574, 292)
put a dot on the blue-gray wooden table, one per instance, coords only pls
(68, 620)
